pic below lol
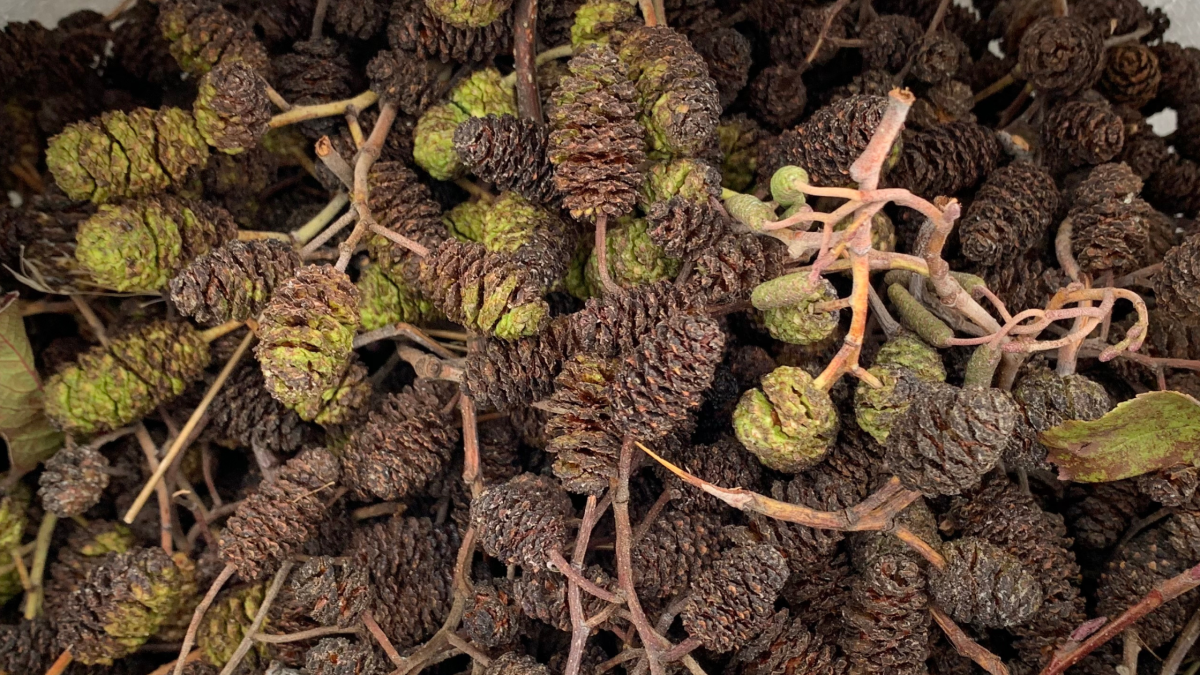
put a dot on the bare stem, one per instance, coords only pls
(33, 601)
(160, 488)
(189, 638)
(360, 196)
(966, 646)
(1183, 645)
(625, 557)
(301, 113)
(831, 13)
(529, 102)
(333, 160)
(916, 543)
(259, 617)
(468, 649)
(601, 249)
(580, 628)
(576, 576)
(472, 474)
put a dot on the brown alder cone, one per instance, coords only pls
(1174, 486)
(685, 229)
(245, 412)
(792, 645)
(1180, 67)
(946, 159)
(542, 595)
(1131, 75)
(231, 109)
(1175, 187)
(779, 96)
(333, 593)
(725, 463)
(1079, 133)
(1177, 286)
(523, 520)
(1112, 236)
(73, 480)
(984, 585)
(1104, 183)
(411, 562)
(315, 71)
(1025, 282)
(794, 38)
(510, 153)
(414, 28)
(733, 266)
(939, 58)
(1011, 214)
(492, 617)
(360, 19)
(1097, 515)
(885, 623)
(581, 431)
(340, 656)
(1144, 151)
(660, 383)
(1061, 55)
(411, 83)
(233, 282)
(826, 144)
(889, 40)
(27, 646)
(281, 516)
(675, 551)
(1047, 399)
(727, 53)
(404, 205)
(734, 599)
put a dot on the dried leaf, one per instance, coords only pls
(1153, 431)
(23, 424)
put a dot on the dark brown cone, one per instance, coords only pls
(1105, 183)
(73, 480)
(1046, 400)
(945, 160)
(733, 266)
(675, 551)
(232, 110)
(492, 618)
(523, 520)
(1187, 126)
(1012, 520)
(273, 522)
(794, 649)
(1175, 187)
(139, 47)
(1180, 67)
(1011, 214)
(414, 28)
(510, 153)
(411, 562)
(885, 625)
(826, 144)
(804, 547)
(1061, 55)
(315, 71)
(949, 438)
(233, 282)
(950, 101)
(1079, 133)
(406, 443)
(1177, 285)
(939, 58)
(889, 40)
(1098, 515)
(685, 229)
(1112, 17)
(333, 593)
(984, 586)
(400, 78)
(581, 431)
(404, 205)
(512, 663)
(725, 463)
(778, 95)
(1111, 236)
(542, 595)
(665, 379)
(1131, 75)
(1173, 487)
(735, 598)
(1155, 555)
(360, 19)
(1144, 151)
(340, 656)
(27, 647)
(245, 412)
(793, 40)
(596, 144)
(728, 55)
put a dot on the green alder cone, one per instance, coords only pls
(433, 141)
(138, 246)
(902, 364)
(789, 424)
(633, 258)
(468, 13)
(465, 221)
(512, 221)
(802, 324)
(784, 185)
(122, 155)
(749, 210)
(603, 22)
(910, 351)
(110, 387)
(385, 301)
(738, 140)
(225, 623)
(12, 516)
(693, 179)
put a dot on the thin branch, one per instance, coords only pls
(302, 113)
(300, 636)
(580, 626)
(469, 649)
(360, 196)
(381, 638)
(966, 646)
(333, 160)
(160, 488)
(624, 557)
(317, 223)
(916, 543)
(831, 13)
(189, 638)
(1183, 645)
(601, 249)
(259, 617)
(33, 601)
(472, 474)
(529, 101)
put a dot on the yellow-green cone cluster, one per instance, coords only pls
(633, 258)
(306, 338)
(604, 22)
(126, 155)
(138, 246)
(513, 222)
(225, 624)
(738, 139)
(692, 179)
(802, 323)
(903, 363)
(468, 13)
(385, 300)
(109, 387)
(483, 93)
(465, 221)
(788, 423)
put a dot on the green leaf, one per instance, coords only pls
(1153, 431)
(23, 424)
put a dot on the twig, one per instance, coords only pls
(652, 515)
(300, 636)
(1132, 647)
(33, 601)
(60, 664)
(1183, 645)
(302, 113)
(166, 668)
(277, 99)
(93, 321)
(866, 169)
(328, 233)
(468, 649)
(360, 195)
(1142, 523)
(317, 223)
(381, 638)
(601, 249)
(410, 244)
(529, 102)
(1132, 36)
(830, 14)
(624, 557)
(966, 646)
(1142, 277)
(18, 562)
(576, 576)
(183, 438)
(259, 617)
(429, 366)
(916, 543)
(1073, 652)
(376, 510)
(995, 88)
(206, 467)
(333, 160)
(472, 475)
(20, 551)
(580, 627)
(318, 19)
(160, 488)
(189, 638)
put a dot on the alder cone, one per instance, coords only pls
(889, 40)
(724, 463)
(684, 228)
(406, 443)
(315, 71)
(73, 480)
(596, 144)
(233, 282)
(938, 58)
(946, 159)
(339, 656)
(1175, 187)
(404, 205)
(232, 110)
(662, 382)
(1104, 183)
(360, 19)
(735, 598)
(885, 622)
(779, 95)
(414, 28)
(332, 593)
(1061, 55)
(1011, 214)
(281, 516)
(826, 144)
(27, 646)
(1098, 515)
(582, 432)
(511, 663)
(245, 412)
(203, 34)
(800, 647)
(807, 548)
(1112, 236)
(523, 520)
(493, 619)
(1025, 283)
(510, 153)
(1079, 133)
(408, 82)
(1187, 126)
(1174, 486)
(950, 438)
(1131, 75)
(984, 586)
(542, 595)
(411, 563)
(673, 553)
(727, 53)
(1177, 285)
(730, 269)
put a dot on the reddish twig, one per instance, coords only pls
(922, 547)
(624, 545)
(580, 626)
(472, 475)
(360, 196)
(529, 102)
(831, 14)
(601, 248)
(189, 638)
(966, 646)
